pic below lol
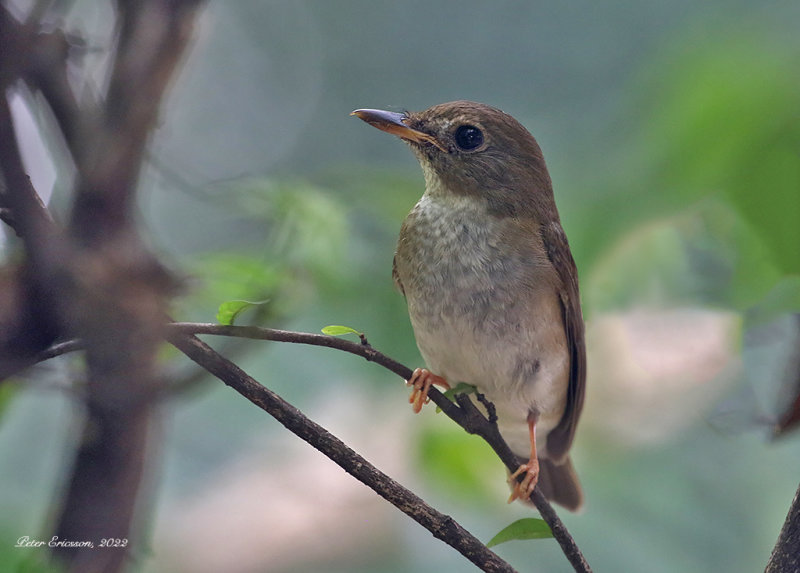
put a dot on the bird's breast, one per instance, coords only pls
(484, 305)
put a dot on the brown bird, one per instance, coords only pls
(491, 286)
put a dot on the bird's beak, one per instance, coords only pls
(394, 123)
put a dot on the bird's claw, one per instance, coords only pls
(422, 380)
(524, 489)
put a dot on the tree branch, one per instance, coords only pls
(442, 526)
(786, 553)
(28, 321)
(465, 414)
(47, 72)
(98, 281)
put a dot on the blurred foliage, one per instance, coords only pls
(647, 265)
(707, 210)
(7, 392)
(725, 126)
(306, 228)
(727, 121)
(33, 560)
(304, 236)
(457, 462)
(785, 295)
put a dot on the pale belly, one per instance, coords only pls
(522, 371)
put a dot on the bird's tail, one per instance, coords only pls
(559, 483)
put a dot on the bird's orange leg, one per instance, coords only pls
(422, 380)
(524, 489)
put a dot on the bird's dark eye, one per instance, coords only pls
(468, 137)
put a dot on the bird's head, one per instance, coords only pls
(471, 149)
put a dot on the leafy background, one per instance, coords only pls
(671, 132)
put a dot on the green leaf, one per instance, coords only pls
(228, 311)
(336, 330)
(528, 528)
(460, 388)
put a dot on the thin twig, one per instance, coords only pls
(442, 526)
(60, 349)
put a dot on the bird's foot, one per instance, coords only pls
(422, 380)
(523, 490)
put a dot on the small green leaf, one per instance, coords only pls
(336, 330)
(229, 310)
(460, 388)
(528, 528)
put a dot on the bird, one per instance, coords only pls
(491, 285)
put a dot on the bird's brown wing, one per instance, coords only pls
(560, 438)
(396, 277)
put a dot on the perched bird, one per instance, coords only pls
(491, 286)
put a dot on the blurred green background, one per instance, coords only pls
(672, 134)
